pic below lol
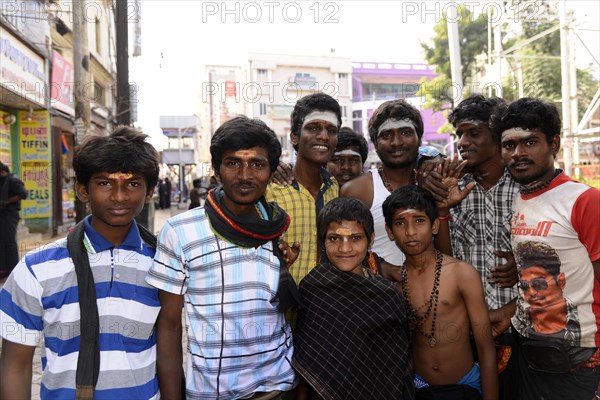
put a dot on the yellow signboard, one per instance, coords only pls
(34, 143)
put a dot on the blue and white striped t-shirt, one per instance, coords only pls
(238, 340)
(41, 297)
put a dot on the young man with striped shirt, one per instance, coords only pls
(225, 262)
(85, 296)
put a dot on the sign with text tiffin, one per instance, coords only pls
(34, 143)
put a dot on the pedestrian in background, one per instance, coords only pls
(197, 193)
(12, 191)
(162, 194)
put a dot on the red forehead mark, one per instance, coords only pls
(120, 176)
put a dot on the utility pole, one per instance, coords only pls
(123, 93)
(81, 75)
(569, 93)
(454, 48)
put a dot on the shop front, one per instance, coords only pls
(25, 140)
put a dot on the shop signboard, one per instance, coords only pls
(61, 90)
(21, 69)
(34, 143)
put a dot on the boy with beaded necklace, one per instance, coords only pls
(445, 304)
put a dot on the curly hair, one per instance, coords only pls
(537, 254)
(476, 107)
(527, 113)
(396, 109)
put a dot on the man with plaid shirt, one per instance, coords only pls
(480, 223)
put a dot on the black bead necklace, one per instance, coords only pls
(415, 320)
(537, 186)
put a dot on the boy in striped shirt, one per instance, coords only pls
(97, 329)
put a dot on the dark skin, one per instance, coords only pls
(316, 143)
(244, 175)
(168, 335)
(443, 185)
(16, 363)
(398, 149)
(115, 199)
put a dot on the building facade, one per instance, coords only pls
(374, 83)
(276, 82)
(37, 130)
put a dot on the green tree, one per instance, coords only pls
(538, 62)
(473, 41)
(542, 74)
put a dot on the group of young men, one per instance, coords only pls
(382, 309)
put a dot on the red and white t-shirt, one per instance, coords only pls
(564, 216)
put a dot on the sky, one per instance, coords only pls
(180, 37)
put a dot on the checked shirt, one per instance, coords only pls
(481, 223)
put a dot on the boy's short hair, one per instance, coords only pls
(527, 113)
(477, 107)
(395, 109)
(409, 196)
(343, 209)
(347, 137)
(197, 182)
(4, 168)
(313, 102)
(124, 150)
(244, 133)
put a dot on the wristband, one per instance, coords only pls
(447, 217)
(597, 395)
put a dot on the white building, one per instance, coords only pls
(220, 98)
(276, 82)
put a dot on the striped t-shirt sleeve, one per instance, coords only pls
(168, 269)
(21, 307)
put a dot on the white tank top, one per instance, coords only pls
(382, 245)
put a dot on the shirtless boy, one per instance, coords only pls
(445, 304)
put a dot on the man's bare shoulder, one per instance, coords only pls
(360, 188)
(464, 273)
(456, 264)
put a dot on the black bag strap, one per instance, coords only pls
(88, 361)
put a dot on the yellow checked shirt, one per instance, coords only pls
(302, 208)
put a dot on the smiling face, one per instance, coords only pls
(346, 245)
(476, 144)
(317, 140)
(528, 155)
(244, 175)
(346, 164)
(412, 231)
(397, 145)
(115, 199)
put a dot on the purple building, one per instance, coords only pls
(375, 82)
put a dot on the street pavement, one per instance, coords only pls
(160, 217)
